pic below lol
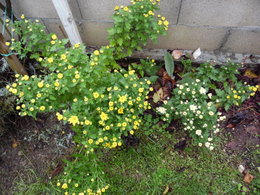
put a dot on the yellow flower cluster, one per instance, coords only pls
(66, 186)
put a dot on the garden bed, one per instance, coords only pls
(98, 122)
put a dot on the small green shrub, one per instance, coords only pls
(199, 95)
(95, 95)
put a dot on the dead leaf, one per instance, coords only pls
(248, 73)
(166, 78)
(158, 95)
(196, 53)
(166, 190)
(177, 54)
(56, 171)
(15, 143)
(248, 178)
(230, 126)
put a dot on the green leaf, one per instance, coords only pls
(169, 64)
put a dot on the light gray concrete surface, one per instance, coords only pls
(213, 25)
(244, 41)
(220, 12)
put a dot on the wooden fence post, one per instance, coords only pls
(12, 60)
(63, 9)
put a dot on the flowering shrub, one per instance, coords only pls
(199, 95)
(100, 103)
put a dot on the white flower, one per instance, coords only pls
(179, 92)
(200, 144)
(188, 89)
(211, 113)
(198, 132)
(205, 125)
(210, 95)
(191, 122)
(167, 115)
(197, 80)
(210, 139)
(207, 144)
(209, 104)
(200, 116)
(181, 87)
(193, 108)
(193, 92)
(184, 113)
(165, 101)
(198, 112)
(211, 147)
(203, 90)
(161, 110)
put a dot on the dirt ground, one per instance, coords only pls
(32, 151)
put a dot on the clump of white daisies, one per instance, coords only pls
(192, 105)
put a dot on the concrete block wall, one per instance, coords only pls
(213, 25)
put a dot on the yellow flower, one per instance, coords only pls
(39, 59)
(122, 99)
(63, 57)
(57, 84)
(77, 45)
(14, 91)
(25, 77)
(18, 107)
(150, 12)
(87, 122)
(60, 75)
(74, 120)
(39, 95)
(22, 16)
(126, 9)
(235, 96)
(7, 43)
(58, 184)
(76, 185)
(131, 72)
(96, 52)
(115, 88)
(64, 186)
(54, 36)
(163, 18)
(146, 15)
(42, 108)
(104, 116)
(70, 66)
(131, 132)
(96, 94)
(90, 141)
(77, 76)
(124, 124)
(7, 20)
(141, 90)
(120, 111)
(52, 42)
(31, 109)
(116, 8)
(40, 84)
(254, 88)
(111, 103)
(59, 116)
(50, 60)
(166, 23)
